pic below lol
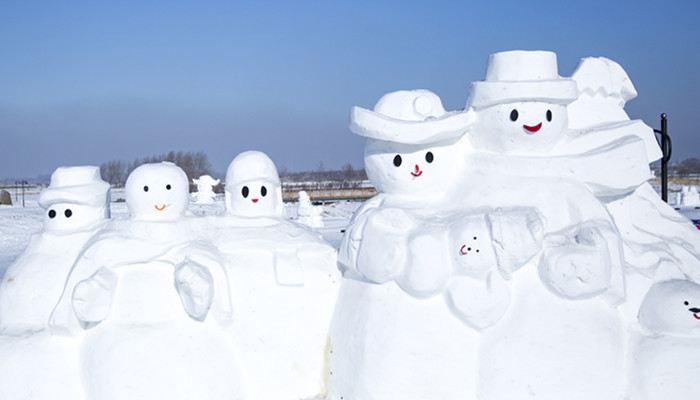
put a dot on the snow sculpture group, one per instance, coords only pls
(515, 250)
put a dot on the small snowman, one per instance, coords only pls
(663, 361)
(76, 205)
(284, 282)
(307, 213)
(205, 189)
(138, 298)
(521, 117)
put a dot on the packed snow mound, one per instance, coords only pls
(205, 189)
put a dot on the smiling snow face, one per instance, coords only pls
(412, 170)
(672, 307)
(253, 186)
(157, 192)
(530, 127)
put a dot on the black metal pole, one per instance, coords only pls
(666, 150)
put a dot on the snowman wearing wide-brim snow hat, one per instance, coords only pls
(409, 135)
(521, 104)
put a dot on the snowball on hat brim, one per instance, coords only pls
(370, 124)
(94, 194)
(488, 93)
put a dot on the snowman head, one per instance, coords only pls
(253, 187)
(412, 143)
(77, 199)
(157, 192)
(673, 308)
(521, 105)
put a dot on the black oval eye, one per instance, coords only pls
(686, 303)
(514, 115)
(429, 157)
(52, 213)
(397, 160)
(245, 191)
(168, 186)
(145, 188)
(68, 213)
(263, 191)
(549, 115)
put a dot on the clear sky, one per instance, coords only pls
(84, 82)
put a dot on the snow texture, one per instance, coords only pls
(515, 249)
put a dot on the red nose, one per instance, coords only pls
(417, 171)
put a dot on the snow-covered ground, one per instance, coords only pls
(18, 223)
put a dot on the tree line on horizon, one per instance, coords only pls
(196, 164)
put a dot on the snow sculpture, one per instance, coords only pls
(663, 358)
(520, 125)
(419, 261)
(284, 281)
(253, 187)
(33, 363)
(77, 205)
(137, 295)
(205, 189)
(307, 213)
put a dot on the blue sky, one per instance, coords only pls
(88, 82)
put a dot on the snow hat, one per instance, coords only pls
(513, 76)
(78, 185)
(251, 166)
(411, 117)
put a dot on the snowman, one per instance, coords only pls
(139, 296)
(412, 259)
(284, 281)
(205, 189)
(575, 282)
(664, 352)
(76, 205)
(307, 213)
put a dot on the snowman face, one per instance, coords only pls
(412, 170)
(69, 217)
(530, 127)
(157, 192)
(254, 198)
(672, 307)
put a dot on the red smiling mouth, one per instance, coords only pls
(255, 200)
(417, 171)
(160, 208)
(696, 316)
(533, 128)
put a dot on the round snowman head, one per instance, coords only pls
(157, 192)
(412, 142)
(253, 187)
(521, 105)
(77, 199)
(528, 127)
(412, 170)
(673, 308)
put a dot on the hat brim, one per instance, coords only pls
(94, 194)
(370, 124)
(484, 93)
